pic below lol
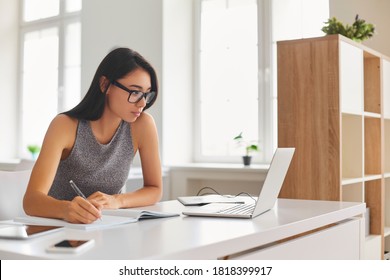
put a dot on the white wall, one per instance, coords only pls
(373, 11)
(296, 19)
(177, 84)
(8, 78)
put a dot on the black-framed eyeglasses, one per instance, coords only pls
(135, 95)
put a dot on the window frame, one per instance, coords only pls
(266, 97)
(60, 21)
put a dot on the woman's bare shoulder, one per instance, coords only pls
(144, 119)
(62, 127)
(143, 128)
(63, 123)
(144, 124)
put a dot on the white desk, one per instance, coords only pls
(212, 238)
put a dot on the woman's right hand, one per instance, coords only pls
(82, 211)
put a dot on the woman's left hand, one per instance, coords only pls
(106, 200)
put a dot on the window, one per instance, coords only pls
(236, 89)
(50, 64)
(228, 79)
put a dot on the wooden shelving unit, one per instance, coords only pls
(334, 107)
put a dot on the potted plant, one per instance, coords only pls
(358, 31)
(34, 150)
(250, 146)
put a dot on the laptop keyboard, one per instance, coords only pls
(239, 209)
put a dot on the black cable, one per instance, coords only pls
(215, 192)
(247, 194)
(205, 188)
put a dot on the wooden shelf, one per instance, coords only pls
(334, 108)
(372, 115)
(372, 177)
(349, 181)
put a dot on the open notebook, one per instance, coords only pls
(110, 217)
(268, 193)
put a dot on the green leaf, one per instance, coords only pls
(34, 148)
(238, 137)
(358, 31)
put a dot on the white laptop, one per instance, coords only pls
(268, 194)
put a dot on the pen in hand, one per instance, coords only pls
(77, 190)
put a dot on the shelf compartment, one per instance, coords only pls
(351, 78)
(372, 84)
(373, 194)
(387, 232)
(387, 204)
(386, 88)
(387, 145)
(353, 192)
(372, 146)
(387, 239)
(352, 146)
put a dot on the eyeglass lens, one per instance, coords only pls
(136, 96)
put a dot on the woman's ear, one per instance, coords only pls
(104, 83)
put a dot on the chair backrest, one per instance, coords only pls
(13, 185)
(24, 164)
(16, 165)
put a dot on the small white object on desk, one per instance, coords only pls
(213, 198)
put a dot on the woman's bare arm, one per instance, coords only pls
(58, 142)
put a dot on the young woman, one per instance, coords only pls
(93, 145)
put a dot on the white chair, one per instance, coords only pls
(25, 164)
(17, 164)
(9, 165)
(13, 185)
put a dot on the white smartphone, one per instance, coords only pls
(71, 246)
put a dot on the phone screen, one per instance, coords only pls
(71, 246)
(70, 243)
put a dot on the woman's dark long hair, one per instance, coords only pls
(117, 64)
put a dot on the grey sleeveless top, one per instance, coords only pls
(94, 166)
